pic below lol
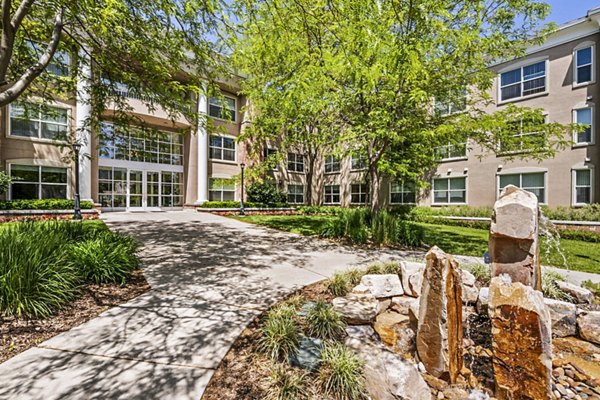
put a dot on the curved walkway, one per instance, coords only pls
(210, 277)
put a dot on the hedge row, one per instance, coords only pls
(46, 204)
(236, 204)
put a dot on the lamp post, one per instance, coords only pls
(242, 212)
(77, 211)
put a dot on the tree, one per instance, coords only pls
(5, 182)
(160, 52)
(387, 64)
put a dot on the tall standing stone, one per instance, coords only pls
(521, 338)
(439, 333)
(514, 245)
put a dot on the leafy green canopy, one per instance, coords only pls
(157, 51)
(366, 76)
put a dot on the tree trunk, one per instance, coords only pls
(374, 188)
(310, 173)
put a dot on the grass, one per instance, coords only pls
(580, 255)
(280, 332)
(341, 373)
(324, 322)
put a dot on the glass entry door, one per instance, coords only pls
(152, 190)
(136, 190)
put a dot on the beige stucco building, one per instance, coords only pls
(185, 166)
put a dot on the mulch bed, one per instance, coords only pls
(18, 335)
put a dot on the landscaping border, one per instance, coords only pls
(21, 215)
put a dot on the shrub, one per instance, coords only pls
(354, 275)
(284, 384)
(46, 204)
(341, 373)
(584, 236)
(296, 301)
(374, 269)
(410, 234)
(549, 287)
(481, 272)
(107, 257)
(391, 267)
(324, 322)
(5, 182)
(350, 224)
(280, 333)
(265, 193)
(323, 210)
(339, 284)
(384, 228)
(36, 274)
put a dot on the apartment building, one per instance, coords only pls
(180, 167)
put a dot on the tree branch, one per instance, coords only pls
(12, 91)
(21, 13)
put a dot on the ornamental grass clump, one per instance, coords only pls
(105, 257)
(284, 384)
(339, 284)
(550, 289)
(280, 333)
(37, 275)
(384, 228)
(481, 272)
(323, 322)
(341, 373)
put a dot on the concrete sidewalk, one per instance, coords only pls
(210, 277)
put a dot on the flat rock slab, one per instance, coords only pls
(357, 309)
(589, 325)
(54, 374)
(563, 316)
(579, 294)
(380, 286)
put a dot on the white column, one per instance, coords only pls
(83, 134)
(202, 150)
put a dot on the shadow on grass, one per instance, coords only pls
(455, 240)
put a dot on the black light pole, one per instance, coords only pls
(242, 212)
(77, 211)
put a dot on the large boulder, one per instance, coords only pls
(439, 333)
(357, 309)
(387, 375)
(563, 316)
(409, 269)
(380, 286)
(521, 340)
(579, 294)
(589, 325)
(514, 244)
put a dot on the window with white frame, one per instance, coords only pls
(402, 193)
(332, 164)
(584, 116)
(450, 190)
(331, 194)
(295, 194)
(61, 61)
(452, 103)
(270, 156)
(451, 151)
(222, 148)
(527, 135)
(171, 189)
(39, 121)
(358, 161)
(523, 81)
(359, 193)
(532, 182)
(221, 189)
(222, 108)
(584, 65)
(38, 182)
(295, 162)
(582, 186)
(112, 187)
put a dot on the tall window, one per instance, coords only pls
(39, 121)
(402, 193)
(222, 148)
(221, 190)
(295, 194)
(295, 162)
(270, 156)
(584, 65)
(454, 102)
(222, 108)
(37, 182)
(582, 186)
(450, 190)
(526, 135)
(523, 81)
(332, 164)
(451, 151)
(584, 116)
(532, 182)
(171, 189)
(136, 145)
(112, 187)
(359, 193)
(331, 194)
(358, 161)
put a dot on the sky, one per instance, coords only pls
(567, 10)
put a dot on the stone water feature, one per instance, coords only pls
(521, 323)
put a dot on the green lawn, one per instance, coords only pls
(581, 256)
